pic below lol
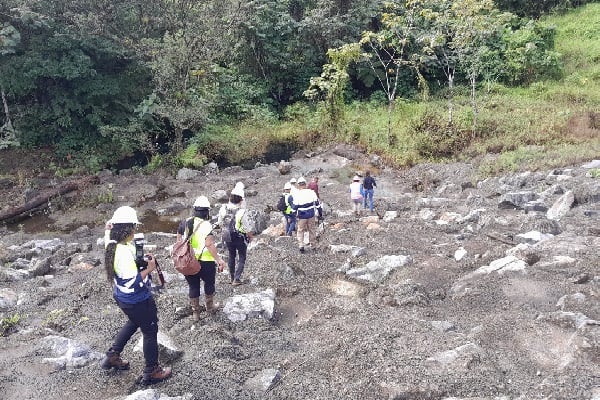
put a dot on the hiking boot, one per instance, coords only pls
(195, 303)
(155, 374)
(236, 282)
(113, 360)
(211, 306)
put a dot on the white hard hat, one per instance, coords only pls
(301, 180)
(293, 180)
(240, 185)
(287, 186)
(238, 190)
(356, 178)
(124, 215)
(202, 202)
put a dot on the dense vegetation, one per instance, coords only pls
(184, 82)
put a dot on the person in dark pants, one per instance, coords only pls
(368, 187)
(238, 239)
(131, 291)
(205, 250)
(288, 214)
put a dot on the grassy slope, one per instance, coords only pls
(543, 126)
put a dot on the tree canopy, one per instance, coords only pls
(99, 80)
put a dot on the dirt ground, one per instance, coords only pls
(436, 328)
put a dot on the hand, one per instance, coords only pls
(221, 265)
(151, 262)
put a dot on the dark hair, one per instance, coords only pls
(201, 212)
(367, 173)
(118, 233)
(235, 199)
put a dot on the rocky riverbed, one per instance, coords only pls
(457, 287)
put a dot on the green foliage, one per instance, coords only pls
(529, 54)
(8, 324)
(190, 158)
(535, 9)
(594, 173)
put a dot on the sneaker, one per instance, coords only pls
(155, 374)
(236, 282)
(113, 360)
(302, 250)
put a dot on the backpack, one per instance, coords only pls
(233, 231)
(183, 256)
(282, 204)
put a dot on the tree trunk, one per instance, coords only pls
(389, 122)
(8, 123)
(42, 200)
(474, 103)
(450, 98)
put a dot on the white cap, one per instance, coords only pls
(287, 186)
(202, 202)
(293, 180)
(356, 178)
(301, 180)
(124, 215)
(240, 185)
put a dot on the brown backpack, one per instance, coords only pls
(184, 259)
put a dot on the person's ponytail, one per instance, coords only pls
(118, 234)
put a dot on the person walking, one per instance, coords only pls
(288, 213)
(294, 188)
(205, 251)
(314, 186)
(356, 194)
(131, 290)
(306, 205)
(368, 187)
(235, 239)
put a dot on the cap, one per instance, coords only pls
(202, 202)
(301, 180)
(356, 178)
(240, 185)
(287, 186)
(293, 180)
(124, 215)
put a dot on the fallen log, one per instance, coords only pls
(41, 201)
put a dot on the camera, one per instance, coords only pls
(140, 259)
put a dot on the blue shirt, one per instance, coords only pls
(129, 286)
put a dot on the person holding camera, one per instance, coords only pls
(131, 290)
(205, 250)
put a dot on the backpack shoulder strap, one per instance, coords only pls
(189, 228)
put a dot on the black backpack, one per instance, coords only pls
(233, 231)
(281, 204)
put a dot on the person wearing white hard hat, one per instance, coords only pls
(288, 213)
(199, 229)
(306, 205)
(294, 188)
(236, 228)
(131, 291)
(356, 194)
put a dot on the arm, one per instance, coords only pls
(212, 249)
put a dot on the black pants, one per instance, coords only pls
(144, 316)
(237, 246)
(207, 274)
